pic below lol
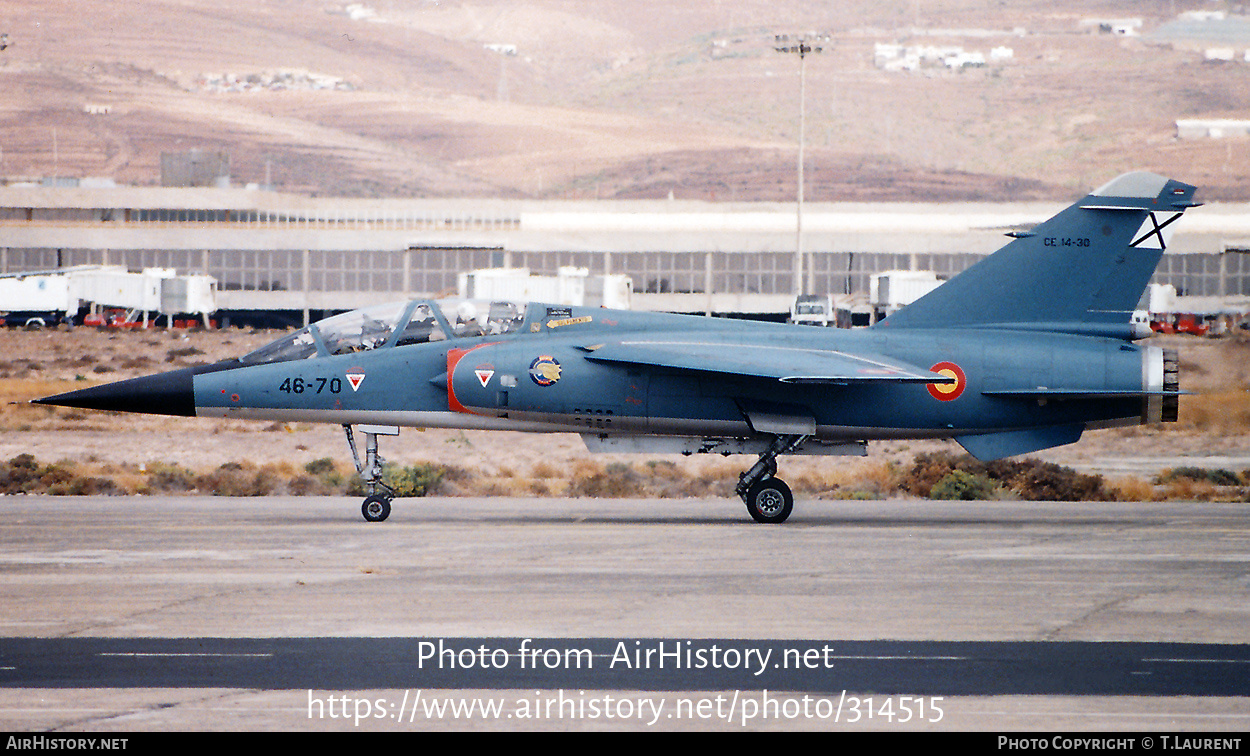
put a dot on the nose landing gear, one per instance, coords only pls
(377, 506)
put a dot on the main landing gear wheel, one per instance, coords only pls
(767, 497)
(376, 508)
(769, 500)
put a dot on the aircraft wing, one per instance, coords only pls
(787, 364)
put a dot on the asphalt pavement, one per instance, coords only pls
(173, 613)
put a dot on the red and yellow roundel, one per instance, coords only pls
(948, 392)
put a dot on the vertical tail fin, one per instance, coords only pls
(1082, 271)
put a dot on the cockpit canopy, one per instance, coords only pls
(391, 325)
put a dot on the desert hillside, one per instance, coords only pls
(546, 98)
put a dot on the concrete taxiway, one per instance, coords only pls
(156, 613)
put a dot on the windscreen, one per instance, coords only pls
(355, 331)
(479, 317)
(361, 330)
(393, 324)
(297, 346)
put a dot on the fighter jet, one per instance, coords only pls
(1025, 350)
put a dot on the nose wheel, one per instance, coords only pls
(376, 508)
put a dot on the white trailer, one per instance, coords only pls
(118, 287)
(35, 298)
(895, 289)
(61, 293)
(567, 287)
(613, 291)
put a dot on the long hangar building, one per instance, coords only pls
(272, 251)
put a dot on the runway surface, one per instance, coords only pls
(931, 668)
(133, 614)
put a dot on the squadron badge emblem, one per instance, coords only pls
(544, 370)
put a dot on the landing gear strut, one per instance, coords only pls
(767, 497)
(377, 506)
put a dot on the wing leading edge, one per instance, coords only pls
(782, 363)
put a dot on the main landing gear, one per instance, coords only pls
(377, 506)
(767, 497)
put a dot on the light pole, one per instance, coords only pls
(802, 45)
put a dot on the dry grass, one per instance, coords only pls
(858, 479)
(544, 471)
(22, 390)
(850, 479)
(1222, 412)
(1130, 488)
(1188, 489)
(19, 415)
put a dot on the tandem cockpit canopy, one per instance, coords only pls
(392, 325)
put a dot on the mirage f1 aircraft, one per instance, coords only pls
(1023, 351)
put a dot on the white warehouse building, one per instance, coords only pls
(283, 252)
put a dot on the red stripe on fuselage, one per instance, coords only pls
(453, 358)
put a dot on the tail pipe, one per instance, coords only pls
(1161, 380)
(1170, 409)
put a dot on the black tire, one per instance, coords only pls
(376, 508)
(770, 501)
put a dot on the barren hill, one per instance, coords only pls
(609, 98)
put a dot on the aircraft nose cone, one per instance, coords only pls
(161, 394)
